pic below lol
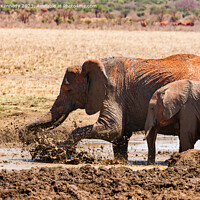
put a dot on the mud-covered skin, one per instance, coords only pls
(120, 88)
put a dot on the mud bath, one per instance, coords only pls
(21, 177)
(88, 182)
(97, 152)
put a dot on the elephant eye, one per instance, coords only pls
(69, 90)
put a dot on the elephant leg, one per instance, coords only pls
(120, 149)
(151, 146)
(97, 131)
(188, 130)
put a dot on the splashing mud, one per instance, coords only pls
(47, 150)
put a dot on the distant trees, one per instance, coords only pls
(113, 12)
(173, 12)
(98, 9)
(58, 19)
(125, 12)
(24, 16)
(187, 4)
(159, 11)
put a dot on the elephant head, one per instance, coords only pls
(83, 87)
(165, 103)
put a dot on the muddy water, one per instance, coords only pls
(15, 158)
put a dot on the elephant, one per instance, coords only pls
(119, 88)
(176, 103)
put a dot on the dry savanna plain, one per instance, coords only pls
(32, 65)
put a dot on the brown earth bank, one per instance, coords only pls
(181, 180)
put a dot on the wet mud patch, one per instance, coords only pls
(88, 182)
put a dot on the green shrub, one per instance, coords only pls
(7, 10)
(174, 19)
(140, 14)
(69, 21)
(110, 4)
(58, 19)
(88, 22)
(158, 1)
(51, 9)
(125, 12)
(143, 8)
(32, 10)
(185, 14)
(44, 20)
(17, 10)
(153, 10)
(87, 10)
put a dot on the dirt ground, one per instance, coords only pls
(181, 180)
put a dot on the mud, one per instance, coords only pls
(88, 182)
(190, 158)
(43, 171)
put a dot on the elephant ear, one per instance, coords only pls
(173, 97)
(97, 79)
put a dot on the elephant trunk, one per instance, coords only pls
(52, 119)
(150, 122)
(47, 121)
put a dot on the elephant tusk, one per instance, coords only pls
(59, 121)
(147, 134)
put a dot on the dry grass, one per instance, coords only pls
(50, 52)
(33, 62)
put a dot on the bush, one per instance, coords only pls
(153, 10)
(118, 7)
(196, 12)
(87, 10)
(58, 19)
(79, 9)
(7, 10)
(110, 4)
(88, 21)
(143, 8)
(51, 9)
(109, 16)
(185, 14)
(17, 10)
(140, 14)
(174, 19)
(130, 21)
(44, 20)
(158, 1)
(32, 10)
(69, 21)
(125, 12)
(187, 5)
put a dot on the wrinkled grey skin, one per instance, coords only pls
(176, 103)
(120, 88)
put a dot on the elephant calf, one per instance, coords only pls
(177, 103)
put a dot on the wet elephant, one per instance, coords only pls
(176, 103)
(120, 88)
